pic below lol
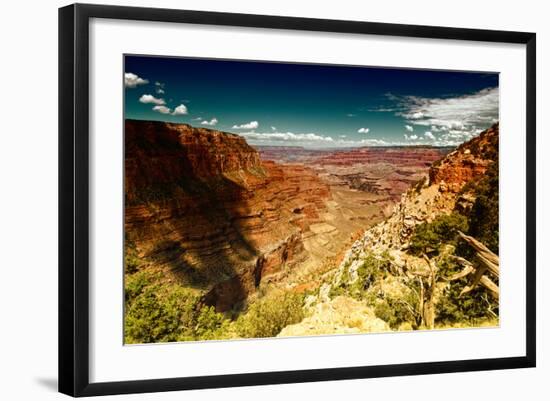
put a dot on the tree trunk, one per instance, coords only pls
(489, 259)
(429, 307)
(429, 313)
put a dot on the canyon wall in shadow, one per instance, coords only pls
(205, 209)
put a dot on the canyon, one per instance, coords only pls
(206, 210)
(452, 187)
(387, 171)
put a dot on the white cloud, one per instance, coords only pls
(180, 110)
(162, 109)
(151, 99)
(462, 117)
(250, 125)
(429, 135)
(413, 137)
(159, 87)
(350, 115)
(383, 109)
(416, 116)
(363, 142)
(212, 122)
(309, 140)
(286, 136)
(273, 128)
(409, 128)
(132, 80)
(363, 130)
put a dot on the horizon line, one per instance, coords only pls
(287, 145)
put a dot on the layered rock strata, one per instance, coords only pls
(440, 193)
(201, 205)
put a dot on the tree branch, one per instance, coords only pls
(485, 255)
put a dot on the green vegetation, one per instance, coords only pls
(429, 237)
(396, 308)
(269, 315)
(211, 325)
(372, 269)
(395, 298)
(399, 310)
(481, 222)
(160, 311)
(483, 218)
(452, 307)
(418, 185)
(131, 261)
(156, 312)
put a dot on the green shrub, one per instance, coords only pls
(132, 262)
(268, 316)
(398, 310)
(418, 185)
(210, 324)
(167, 312)
(160, 314)
(484, 216)
(428, 237)
(134, 285)
(337, 290)
(467, 308)
(371, 270)
(341, 288)
(384, 311)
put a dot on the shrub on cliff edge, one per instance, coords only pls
(484, 217)
(156, 312)
(429, 237)
(268, 316)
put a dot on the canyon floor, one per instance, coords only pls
(365, 184)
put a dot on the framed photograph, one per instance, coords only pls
(251, 199)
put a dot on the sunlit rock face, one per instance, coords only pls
(468, 162)
(440, 193)
(204, 207)
(387, 171)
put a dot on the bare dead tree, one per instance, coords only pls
(478, 275)
(428, 312)
(488, 263)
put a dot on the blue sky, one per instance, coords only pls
(312, 105)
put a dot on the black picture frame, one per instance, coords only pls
(74, 198)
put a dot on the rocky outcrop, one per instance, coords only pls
(374, 288)
(468, 162)
(161, 155)
(341, 315)
(439, 193)
(202, 207)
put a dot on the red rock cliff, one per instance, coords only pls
(160, 153)
(203, 208)
(469, 161)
